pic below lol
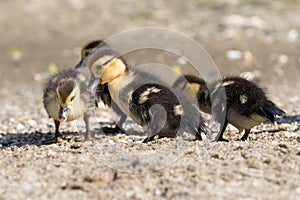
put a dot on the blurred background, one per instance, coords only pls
(259, 38)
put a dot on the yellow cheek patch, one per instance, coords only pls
(68, 100)
(196, 87)
(113, 70)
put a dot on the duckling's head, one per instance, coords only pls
(67, 93)
(105, 69)
(104, 63)
(89, 48)
(196, 84)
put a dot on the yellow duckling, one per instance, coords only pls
(66, 99)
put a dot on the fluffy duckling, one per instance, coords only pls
(246, 103)
(65, 99)
(102, 91)
(145, 99)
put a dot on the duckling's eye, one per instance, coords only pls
(72, 98)
(99, 67)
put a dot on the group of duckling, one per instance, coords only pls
(164, 110)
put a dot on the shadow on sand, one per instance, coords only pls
(37, 138)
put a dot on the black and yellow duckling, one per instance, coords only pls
(102, 91)
(66, 99)
(246, 103)
(145, 99)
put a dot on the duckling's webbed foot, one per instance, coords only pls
(198, 136)
(88, 137)
(112, 130)
(149, 139)
(54, 139)
(118, 127)
(219, 137)
(245, 136)
(58, 135)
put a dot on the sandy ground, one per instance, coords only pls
(254, 37)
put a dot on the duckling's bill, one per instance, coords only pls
(79, 65)
(63, 114)
(93, 83)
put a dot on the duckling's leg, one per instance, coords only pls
(86, 118)
(57, 133)
(119, 125)
(220, 135)
(151, 136)
(158, 117)
(246, 134)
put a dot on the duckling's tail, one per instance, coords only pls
(271, 110)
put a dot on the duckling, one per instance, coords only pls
(247, 104)
(144, 98)
(102, 91)
(65, 99)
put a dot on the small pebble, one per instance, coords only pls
(11, 120)
(130, 194)
(290, 134)
(111, 142)
(63, 185)
(283, 59)
(293, 35)
(20, 127)
(157, 192)
(37, 77)
(32, 122)
(285, 126)
(234, 54)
